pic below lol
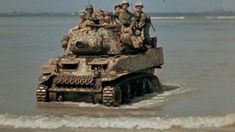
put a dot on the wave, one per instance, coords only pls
(220, 17)
(169, 18)
(226, 17)
(158, 123)
(190, 17)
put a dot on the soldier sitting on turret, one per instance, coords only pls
(129, 38)
(91, 14)
(116, 13)
(108, 18)
(98, 15)
(125, 15)
(141, 22)
(83, 24)
(89, 11)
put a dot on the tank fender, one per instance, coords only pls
(49, 69)
(44, 78)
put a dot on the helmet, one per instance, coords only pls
(139, 4)
(117, 5)
(125, 2)
(107, 13)
(89, 6)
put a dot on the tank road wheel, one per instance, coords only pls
(52, 96)
(97, 98)
(42, 93)
(112, 96)
(140, 91)
(148, 86)
(126, 98)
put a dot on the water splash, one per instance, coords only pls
(139, 102)
(158, 123)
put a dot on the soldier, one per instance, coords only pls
(125, 15)
(118, 7)
(89, 10)
(108, 20)
(82, 24)
(91, 14)
(117, 10)
(97, 16)
(82, 19)
(141, 22)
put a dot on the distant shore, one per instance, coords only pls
(162, 14)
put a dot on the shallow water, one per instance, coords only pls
(198, 74)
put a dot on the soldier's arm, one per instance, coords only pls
(133, 21)
(142, 22)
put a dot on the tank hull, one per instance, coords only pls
(108, 80)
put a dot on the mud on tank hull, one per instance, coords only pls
(108, 80)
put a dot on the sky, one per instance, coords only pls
(150, 5)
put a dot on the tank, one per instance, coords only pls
(99, 68)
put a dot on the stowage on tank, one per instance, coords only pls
(101, 67)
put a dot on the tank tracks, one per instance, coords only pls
(42, 94)
(112, 96)
(120, 91)
(123, 91)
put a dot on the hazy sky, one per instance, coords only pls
(150, 5)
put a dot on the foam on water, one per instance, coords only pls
(140, 102)
(188, 17)
(168, 18)
(152, 99)
(159, 123)
(226, 17)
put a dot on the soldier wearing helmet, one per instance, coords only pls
(90, 14)
(141, 21)
(125, 15)
(80, 25)
(83, 24)
(82, 19)
(117, 9)
(108, 18)
(89, 10)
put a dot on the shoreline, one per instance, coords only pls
(229, 128)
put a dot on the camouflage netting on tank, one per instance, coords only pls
(86, 38)
(101, 40)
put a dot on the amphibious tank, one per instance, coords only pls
(98, 67)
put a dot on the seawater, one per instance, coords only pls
(198, 74)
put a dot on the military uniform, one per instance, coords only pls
(89, 10)
(141, 23)
(85, 26)
(125, 15)
(116, 13)
(91, 14)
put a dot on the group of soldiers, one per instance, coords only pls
(136, 22)
(134, 26)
